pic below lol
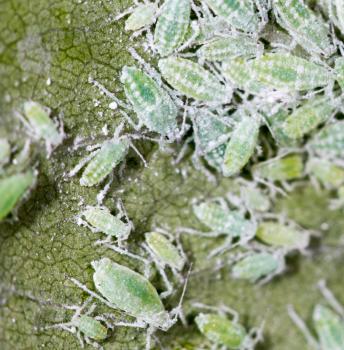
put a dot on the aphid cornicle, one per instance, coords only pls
(328, 322)
(241, 145)
(13, 188)
(172, 26)
(240, 14)
(192, 80)
(309, 30)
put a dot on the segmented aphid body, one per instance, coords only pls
(307, 29)
(192, 80)
(241, 145)
(172, 26)
(308, 117)
(142, 16)
(152, 104)
(329, 142)
(289, 73)
(91, 327)
(240, 14)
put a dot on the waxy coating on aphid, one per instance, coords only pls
(172, 26)
(12, 189)
(152, 104)
(164, 250)
(220, 330)
(141, 17)
(91, 327)
(285, 72)
(280, 169)
(304, 26)
(102, 220)
(282, 235)
(240, 14)
(5, 151)
(328, 173)
(193, 80)
(308, 117)
(241, 145)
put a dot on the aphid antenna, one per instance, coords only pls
(329, 296)
(222, 309)
(80, 165)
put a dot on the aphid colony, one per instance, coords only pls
(255, 110)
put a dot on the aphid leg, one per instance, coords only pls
(279, 270)
(192, 39)
(123, 212)
(198, 164)
(93, 343)
(81, 339)
(27, 125)
(81, 164)
(302, 327)
(191, 231)
(183, 150)
(222, 248)
(329, 296)
(254, 336)
(139, 154)
(221, 309)
(101, 195)
(137, 126)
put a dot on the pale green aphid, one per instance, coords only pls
(124, 289)
(253, 197)
(87, 329)
(284, 235)
(172, 26)
(308, 117)
(220, 49)
(223, 332)
(329, 174)
(285, 72)
(38, 122)
(241, 145)
(328, 324)
(308, 30)
(279, 169)
(142, 16)
(192, 80)
(240, 14)
(13, 189)
(339, 70)
(151, 103)
(261, 266)
(329, 142)
(5, 151)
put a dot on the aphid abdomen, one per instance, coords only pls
(152, 104)
(90, 327)
(142, 16)
(241, 146)
(238, 13)
(172, 26)
(105, 160)
(193, 80)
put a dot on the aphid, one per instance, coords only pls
(224, 332)
(142, 16)
(241, 145)
(13, 189)
(308, 117)
(328, 324)
(172, 26)
(220, 49)
(40, 125)
(99, 219)
(239, 14)
(285, 72)
(329, 174)
(134, 295)
(339, 71)
(87, 329)
(216, 215)
(5, 151)
(193, 80)
(340, 13)
(261, 266)
(329, 142)
(303, 25)
(282, 234)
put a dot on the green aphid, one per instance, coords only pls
(5, 151)
(285, 72)
(240, 14)
(279, 169)
(339, 71)
(308, 30)
(329, 174)
(282, 235)
(220, 49)
(238, 72)
(241, 146)
(142, 16)
(329, 142)
(192, 80)
(172, 26)
(308, 117)
(13, 189)
(38, 122)
(152, 104)
(261, 266)
(255, 199)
